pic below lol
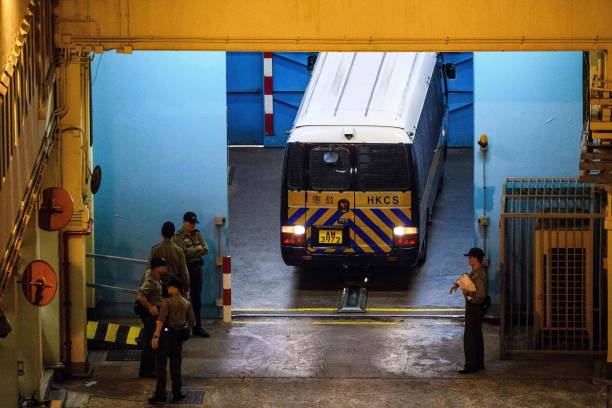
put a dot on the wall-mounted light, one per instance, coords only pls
(483, 142)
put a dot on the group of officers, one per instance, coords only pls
(174, 275)
(169, 301)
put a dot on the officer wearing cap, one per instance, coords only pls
(148, 301)
(171, 330)
(193, 245)
(177, 266)
(473, 342)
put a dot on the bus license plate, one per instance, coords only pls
(330, 237)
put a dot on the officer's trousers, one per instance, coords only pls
(473, 342)
(170, 348)
(195, 290)
(147, 358)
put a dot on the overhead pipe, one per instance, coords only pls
(66, 292)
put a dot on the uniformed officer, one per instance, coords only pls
(172, 327)
(148, 300)
(473, 342)
(193, 245)
(174, 255)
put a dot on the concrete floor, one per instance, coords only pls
(302, 362)
(262, 280)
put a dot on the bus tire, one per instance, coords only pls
(440, 186)
(422, 257)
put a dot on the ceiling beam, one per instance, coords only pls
(334, 25)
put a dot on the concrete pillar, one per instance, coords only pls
(74, 139)
(49, 252)
(607, 69)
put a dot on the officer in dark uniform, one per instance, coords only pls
(177, 266)
(148, 301)
(193, 245)
(473, 342)
(173, 324)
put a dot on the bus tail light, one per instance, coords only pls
(405, 236)
(293, 234)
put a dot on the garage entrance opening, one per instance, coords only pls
(262, 281)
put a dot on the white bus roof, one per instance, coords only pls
(364, 89)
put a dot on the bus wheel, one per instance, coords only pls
(440, 186)
(423, 252)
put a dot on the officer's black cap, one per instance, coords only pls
(158, 261)
(476, 253)
(174, 282)
(191, 218)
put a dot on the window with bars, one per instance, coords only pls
(330, 176)
(383, 167)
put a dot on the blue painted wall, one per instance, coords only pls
(530, 106)
(461, 100)
(245, 108)
(159, 126)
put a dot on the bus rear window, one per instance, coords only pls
(330, 169)
(383, 168)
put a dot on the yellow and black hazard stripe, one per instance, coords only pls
(108, 334)
(371, 218)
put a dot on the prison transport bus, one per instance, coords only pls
(365, 160)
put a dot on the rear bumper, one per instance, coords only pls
(298, 256)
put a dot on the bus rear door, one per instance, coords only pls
(329, 200)
(383, 200)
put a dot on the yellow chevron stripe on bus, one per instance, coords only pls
(394, 219)
(384, 229)
(301, 220)
(373, 236)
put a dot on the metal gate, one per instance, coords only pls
(551, 267)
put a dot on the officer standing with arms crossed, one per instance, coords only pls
(193, 245)
(148, 301)
(171, 330)
(177, 266)
(473, 342)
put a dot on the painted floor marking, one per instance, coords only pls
(348, 322)
(258, 322)
(369, 309)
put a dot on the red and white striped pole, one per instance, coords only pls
(268, 95)
(227, 289)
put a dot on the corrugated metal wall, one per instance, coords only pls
(461, 100)
(245, 98)
(245, 103)
(290, 78)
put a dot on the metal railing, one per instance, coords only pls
(111, 287)
(551, 267)
(118, 259)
